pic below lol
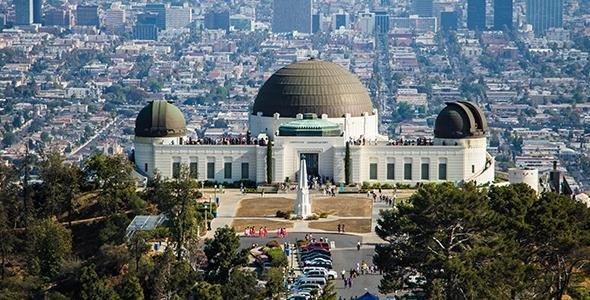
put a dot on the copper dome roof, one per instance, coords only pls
(160, 118)
(313, 86)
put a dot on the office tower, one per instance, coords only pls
(23, 11)
(366, 23)
(38, 11)
(315, 23)
(292, 15)
(55, 17)
(476, 14)
(159, 10)
(240, 22)
(114, 19)
(341, 19)
(422, 8)
(503, 14)
(178, 16)
(146, 27)
(217, 19)
(448, 20)
(381, 22)
(544, 14)
(87, 15)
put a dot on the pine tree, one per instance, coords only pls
(347, 166)
(269, 162)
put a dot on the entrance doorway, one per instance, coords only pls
(311, 162)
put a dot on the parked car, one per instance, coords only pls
(328, 274)
(331, 274)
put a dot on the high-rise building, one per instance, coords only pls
(178, 16)
(217, 19)
(448, 20)
(544, 14)
(240, 22)
(381, 22)
(315, 22)
(146, 27)
(2, 21)
(38, 11)
(341, 19)
(476, 14)
(114, 19)
(422, 8)
(23, 10)
(87, 15)
(503, 14)
(160, 10)
(55, 17)
(366, 23)
(292, 15)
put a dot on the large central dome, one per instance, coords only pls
(313, 86)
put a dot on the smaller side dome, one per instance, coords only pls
(160, 118)
(460, 120)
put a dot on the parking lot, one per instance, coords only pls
(344, 255)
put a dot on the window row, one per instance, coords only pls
(407, 171)
(227, 170)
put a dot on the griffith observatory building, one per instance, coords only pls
(312, 109)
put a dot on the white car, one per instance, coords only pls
(328, 274)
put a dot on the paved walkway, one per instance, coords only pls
(230, 199)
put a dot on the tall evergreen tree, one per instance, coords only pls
(223, 255)
(347, 165)
(269, 170)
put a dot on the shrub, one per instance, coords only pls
(277, 257)
(273, 244)
(312, 217)
(283, 214)
(323, 215)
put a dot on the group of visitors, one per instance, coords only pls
(362, 268)
(379, 195)
(251, 231)
(329, 190)
(341, 228)
(228, 140)
(282, 232)
(416, 142)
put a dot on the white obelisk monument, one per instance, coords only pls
(302, 204)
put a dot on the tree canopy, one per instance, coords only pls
(477, 243)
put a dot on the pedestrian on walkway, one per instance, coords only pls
(339, 228)
(358, 246)
(343, 274)
(342, 228)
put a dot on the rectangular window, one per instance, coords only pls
(176, 170)
(442, 171)
(227, 170)
(425, 168)
(373, 171)
(408, 171)
(210, 170)
(391, 171)
(245, 170)
(194, 170)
